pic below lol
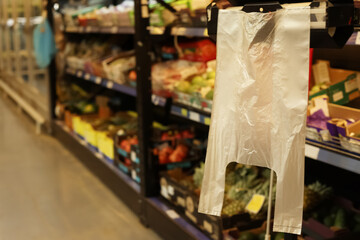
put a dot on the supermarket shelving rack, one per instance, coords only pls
(144, 199)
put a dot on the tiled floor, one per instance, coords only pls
(45, 193)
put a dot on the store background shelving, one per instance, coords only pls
(152, 209)
(335, 156)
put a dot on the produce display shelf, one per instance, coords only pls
(169, 224)
(334, 156)
(157, 100)
(191, 114)
(121, 184)
(101, 30)
(161, 217)
(180, 31)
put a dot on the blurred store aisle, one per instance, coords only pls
(45, 193)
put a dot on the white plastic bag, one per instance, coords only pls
(259, 108)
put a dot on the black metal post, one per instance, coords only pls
(51, 69)
(143, 101)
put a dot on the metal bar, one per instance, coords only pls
(51, 68)
(149, 181)
(268, 235)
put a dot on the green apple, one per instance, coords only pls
(204, 91)
(210, 94)
(193, 88)
(210, 82)
(198, 80)
(183, 86)
(211, 75)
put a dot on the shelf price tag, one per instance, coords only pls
(164, 192)
(255, 204)
(194, 116)
(133, 174)
(155, 99)
(171, 190)
(133, 156)
(172, 214)
(114, 29)
(109, 84)
(184, 112)
(357, 41)
(311, 151)
(87, 76)
(98, 80)
(207, 121)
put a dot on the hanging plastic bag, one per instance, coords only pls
(44, 44)
(259, 108)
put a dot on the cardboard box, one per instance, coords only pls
(331, 133)
(343, 83)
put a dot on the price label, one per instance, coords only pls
(133, 174)
(133, 156)
(172, 214)
(164, 192)
(87, 76)
(255, 204)
(184, 112)
(180, 201)
(98, 155)
(207, 121)
(178, 31)
(171, 190)
(114, 29)
(110, 84)
(194, 116)
(312, 151)
(79, 73)
(208, 226)
(155, 99)
(98, 80)
(357, 41)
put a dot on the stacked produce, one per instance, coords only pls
(191, 13)
(315, 194)
(166, 75)
(176, 146)
(101, 16)
(241, 183)
(102, 59)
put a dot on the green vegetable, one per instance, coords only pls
(340, 218)
(279, 236)
(329, 220)
(261, 236)
(247, 236)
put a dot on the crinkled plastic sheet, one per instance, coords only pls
(259, 108)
